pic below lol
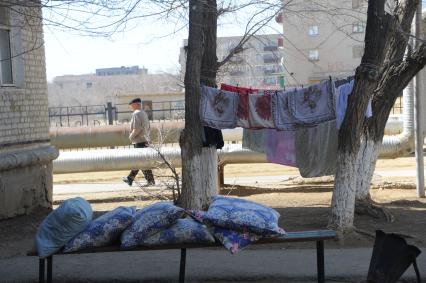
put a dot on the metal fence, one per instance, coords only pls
(109, 114)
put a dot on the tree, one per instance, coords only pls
(381, 76)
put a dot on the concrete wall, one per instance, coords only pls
(25, 152)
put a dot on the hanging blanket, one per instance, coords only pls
(343, 93)
(316, 149)
(218, 108)
(280, 147)
(255, 140)
(282, 117)
(313, 105)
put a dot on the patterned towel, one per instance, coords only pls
(282, 117)
(218, 108)
(312, 105)
(260, 110)
(243, 103)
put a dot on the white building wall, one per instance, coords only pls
(25, 151)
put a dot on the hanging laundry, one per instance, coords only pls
(343, 93)
(316, 149)
(281, 113)
(255, 140)
(212, 137)
(243, 90)
(243, 103)
(280, 148)
(313, 104)
(260, 110)
(218, 108)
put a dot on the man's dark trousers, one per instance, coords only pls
(147, 173)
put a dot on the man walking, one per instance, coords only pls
(139, 136)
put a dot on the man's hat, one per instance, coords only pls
(136, 100)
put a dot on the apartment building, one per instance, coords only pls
(321, 39)
(257, 65)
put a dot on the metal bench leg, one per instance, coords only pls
(41, 270)
(320, 261)
(49, 269)
(182, 265)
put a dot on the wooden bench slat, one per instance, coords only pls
(302, 236)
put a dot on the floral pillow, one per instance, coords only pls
(233, 241)
(103, 231)
(184, 231)
(148, 221)
(243, 215)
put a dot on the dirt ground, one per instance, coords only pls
(304, 204)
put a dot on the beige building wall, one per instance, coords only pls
(25, 152)
(78, 90)
(322, 39)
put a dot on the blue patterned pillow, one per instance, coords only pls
(103, 231)
(243, 215)
(184, 231)
(148, 221)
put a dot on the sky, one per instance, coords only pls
(152, 44)
(75, 54)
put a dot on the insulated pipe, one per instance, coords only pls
(402, 144)
(118, 135)
(110, 135)
(141, 158)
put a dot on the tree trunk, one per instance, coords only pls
(343, 200)
(367, 157)
(353, 127)
(199, 164)
(209, 156)
(190, 140)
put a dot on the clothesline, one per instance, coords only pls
(297, 127)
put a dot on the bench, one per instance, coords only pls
(305, 236)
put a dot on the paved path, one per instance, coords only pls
(203, 265)
(61, 189)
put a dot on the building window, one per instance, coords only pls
(357, 51)
(270, 58)
(313, 55)
(358, 27)
(270, 69)
(269, 80)
(236, 59)
(89, 85)
(313, 30)
(5, 58)
(280, 42)
(270, 48)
